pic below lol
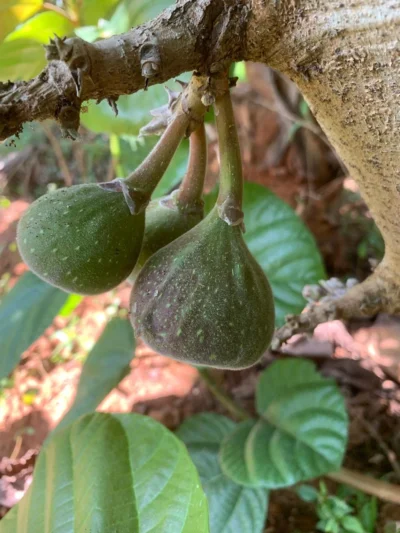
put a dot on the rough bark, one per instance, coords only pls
(343, 54)
(345, 58)
(203, 35)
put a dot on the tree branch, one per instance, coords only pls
(203, 35)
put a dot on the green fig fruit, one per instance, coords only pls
(204, 299)
(166, 220)
(82, 239)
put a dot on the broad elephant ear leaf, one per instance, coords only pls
(233, 507)
(301, 431)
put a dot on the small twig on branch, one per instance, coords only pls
(332, 299)
(323, 300)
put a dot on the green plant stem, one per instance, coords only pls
(231, 178)
(235, 410)
(191, 188)
(380, 489)
(148, 174)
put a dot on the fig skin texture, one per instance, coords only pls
(81, 239)
(165, 222)
(203, 299)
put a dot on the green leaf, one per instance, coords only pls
(133, 112)
(21, 59)
(89, 33)
(25, 312)
(331, 526)
(90, 11)
(129, 14)
(352, 524)
(70, 305)
(12, 12)
(369, 514)
(232, 508)
(301, 433)
(307, 493)
(42, 27)
(125, 15)
(339, 507)
(112, 473)
(134, 150)
(238, 70)
(282, 245)
(106, 365)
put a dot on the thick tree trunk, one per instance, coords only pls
(345, 58)
(343, 54)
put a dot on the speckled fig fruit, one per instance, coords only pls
(82, 239)
(165, 222)
(203, 299)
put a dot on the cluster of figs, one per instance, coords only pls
(198, 294)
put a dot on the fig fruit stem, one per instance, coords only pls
(230, 195)
(148, 174)
(191, 189)
(382, 490)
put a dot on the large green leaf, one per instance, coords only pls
(301, 432)
(233, 508)
(282, 245)
(21, 59)
(12, 12)
(129, 14)
(143, 10)
(106, 365)
(126, 15)
(25, 312)
(42, 27)
(112, 473)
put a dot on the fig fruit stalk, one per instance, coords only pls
(171, 216)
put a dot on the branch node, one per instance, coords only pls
(150, 58)
(230, 213)
(68, 117)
